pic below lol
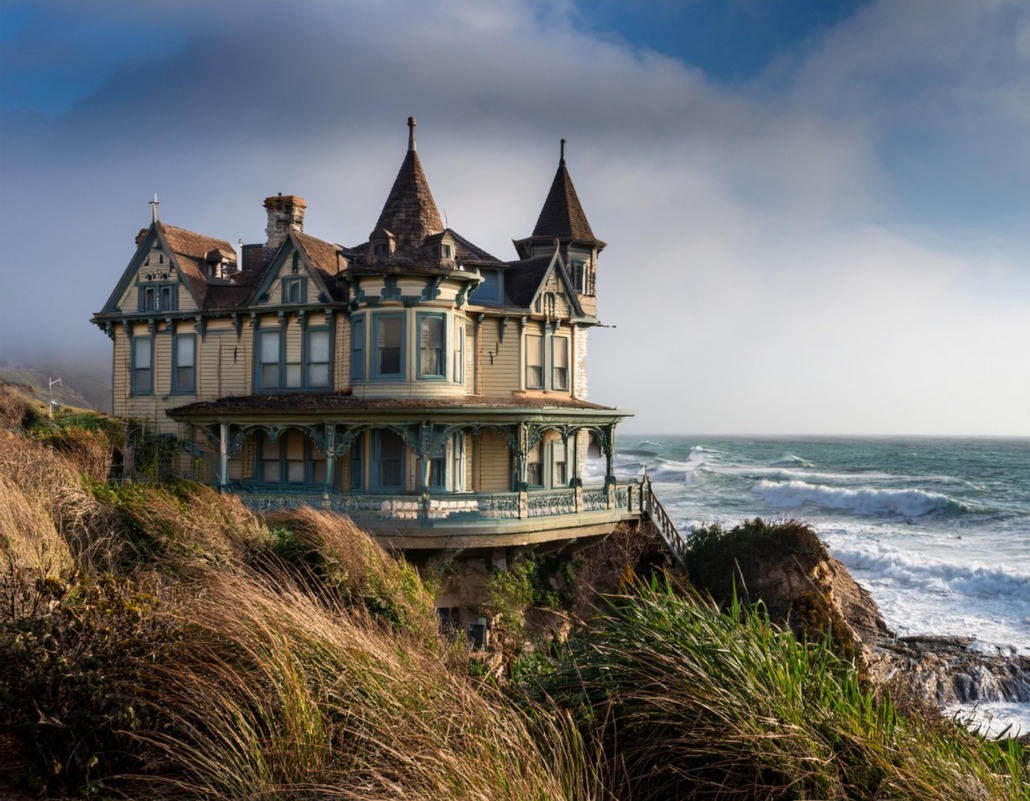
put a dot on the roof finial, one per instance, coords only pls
(153, 208)
(562, 151)
(411, 133)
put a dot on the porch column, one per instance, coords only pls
(523, 467)
(609, 471)
(223, 455)
(330, 454)
(577, 480)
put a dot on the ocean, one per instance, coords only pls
(938, 530)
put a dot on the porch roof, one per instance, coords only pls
(349, 408)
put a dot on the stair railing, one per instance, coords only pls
(652, 508)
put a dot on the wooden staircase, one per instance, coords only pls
(653, 510)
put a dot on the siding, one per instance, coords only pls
(499, 361)
(491, 468)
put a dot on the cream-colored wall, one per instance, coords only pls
(499, 359)
(491, 471)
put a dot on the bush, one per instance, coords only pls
(69, 652)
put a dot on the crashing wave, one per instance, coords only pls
(868, 502)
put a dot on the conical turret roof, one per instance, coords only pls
(562, 216)
(410, 213)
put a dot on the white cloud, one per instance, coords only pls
(766, 270)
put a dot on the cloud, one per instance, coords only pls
(784, 255)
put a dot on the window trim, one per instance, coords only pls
(358, 357)
(541, 366)
(290, 281)
(177, 385)
(258, 383)
(134, 370)
(458, 368)
(155, 290)
(442, 351)
(306, 362)
(376, 462)
(282, 461)
(377, 320)
(555, 339)
(498, 293)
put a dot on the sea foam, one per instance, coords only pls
(865, 501)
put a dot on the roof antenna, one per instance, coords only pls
(562, 151)
(411, 133)
(153, 208)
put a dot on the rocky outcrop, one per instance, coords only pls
(803, 587)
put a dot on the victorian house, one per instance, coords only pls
(431, 391)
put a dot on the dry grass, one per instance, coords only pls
(29, 542)
(15, 408)
(345, 559)
(278, 696)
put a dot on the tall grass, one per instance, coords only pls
(684, 701)
(277, 695)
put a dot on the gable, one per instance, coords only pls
(297, 274)
(154, 281)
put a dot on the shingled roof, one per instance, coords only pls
(562, 216)
(191, 250)
(410, 212)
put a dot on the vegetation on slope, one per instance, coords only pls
(160, 641)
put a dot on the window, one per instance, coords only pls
(381, 249)
(294, 290)
(447, 251)
(560, 370)
(184, 364)
(559, 465)
(431, 346)
(142, 365)
(357, 349)
(291, 459)
(357, 469)
(534, 467)
(458, 369)
(534, 361)
(269, 368)
(389, 337)
(158, 297)
(316, 358)
(578, 275)
(488, 293)
(388, 460)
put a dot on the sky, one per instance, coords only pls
(817, 212)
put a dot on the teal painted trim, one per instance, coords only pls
(136, 372)
(179, 386)
(420, 317)
(378, 320)
(358, 349)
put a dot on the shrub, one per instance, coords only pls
(68, 653)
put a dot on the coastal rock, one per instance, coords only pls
(805, 588)
(950, 670)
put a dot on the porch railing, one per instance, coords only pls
(463, 506)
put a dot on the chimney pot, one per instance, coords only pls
(285, 214)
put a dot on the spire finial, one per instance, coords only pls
(562, 151)
(411, 133)
(153, 208)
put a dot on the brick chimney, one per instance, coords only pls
(285, 214)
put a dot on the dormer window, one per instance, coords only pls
(488, 293)
(446, 251)
(381, 249)
(294, 290)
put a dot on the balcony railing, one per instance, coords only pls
(454, 507)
